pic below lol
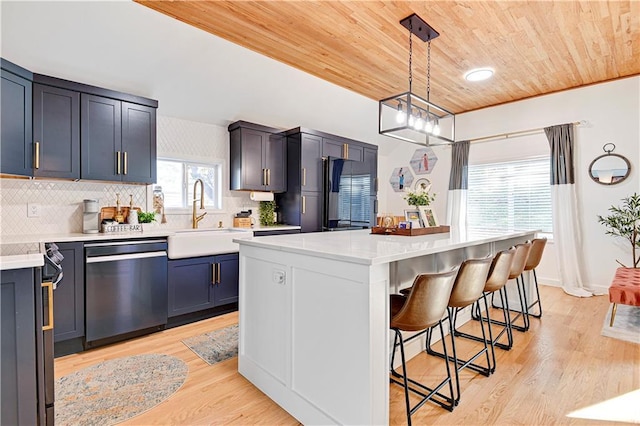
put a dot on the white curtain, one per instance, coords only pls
(458, 182)
(566, 225)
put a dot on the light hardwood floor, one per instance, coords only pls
(561, 365)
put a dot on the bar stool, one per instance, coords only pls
(517, 268)
(422, 309)
(467, 289)
(533, 260)
(498, 277)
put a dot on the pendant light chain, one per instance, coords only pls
(428, 68)
(410, 55)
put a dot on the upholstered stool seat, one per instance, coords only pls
(625, 289)
(421, 309)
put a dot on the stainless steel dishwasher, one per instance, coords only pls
(126, 287)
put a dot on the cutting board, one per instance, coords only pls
(110, 212)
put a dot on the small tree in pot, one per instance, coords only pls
(624, 221)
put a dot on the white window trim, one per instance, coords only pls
(188, 210)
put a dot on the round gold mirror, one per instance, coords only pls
(609, 168)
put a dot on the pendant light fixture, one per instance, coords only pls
(410, 117)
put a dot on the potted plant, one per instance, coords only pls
(419, 198)
(266, 213)
(146, 218)
(624, 221)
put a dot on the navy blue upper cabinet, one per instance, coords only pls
(257, 158)
(139, 143)
(101, 138)
(56, 132)
(118, 140)
(87, 132)
(15, 141)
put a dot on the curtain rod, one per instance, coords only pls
(518, 134)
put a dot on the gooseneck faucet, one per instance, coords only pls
(195, 218)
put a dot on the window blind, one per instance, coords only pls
(512, 195)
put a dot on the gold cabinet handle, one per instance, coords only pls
(264, 176)
(347, 148)
(268, 176)
(304, 176)
(125, 161)
(345, 155)
(217, 273)
(118, 162)
(36, 159)
(49, 287)
(304, 204)
(213, 273)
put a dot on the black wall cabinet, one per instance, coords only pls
(257, 158)
(200, 283)
(16, 118)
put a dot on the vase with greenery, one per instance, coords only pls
(266, 212)
(419, 198)
(624, 221)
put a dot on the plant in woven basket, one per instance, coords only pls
(624, 221)
(266, 212)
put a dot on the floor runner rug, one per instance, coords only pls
(626, 325)
(216, 345)
(117, 390)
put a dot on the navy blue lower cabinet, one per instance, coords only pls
(19, 372)
(225, 290)
(68, 303)
(200, 283)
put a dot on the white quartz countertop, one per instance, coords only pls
(269, 228)
(360, 246)
(21, 261)
(154, 232)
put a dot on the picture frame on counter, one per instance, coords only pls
(428, 216)
(413, 216)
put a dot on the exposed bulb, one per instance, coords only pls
(436, 129)
(400, 116)
(411, 120)
(418, 124)
(428, 127)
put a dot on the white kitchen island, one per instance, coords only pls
(314, 314)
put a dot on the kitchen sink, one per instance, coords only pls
(204, 242)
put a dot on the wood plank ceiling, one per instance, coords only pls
(535, 47)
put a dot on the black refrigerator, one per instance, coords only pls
(347, 200)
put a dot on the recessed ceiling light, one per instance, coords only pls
(478, 74)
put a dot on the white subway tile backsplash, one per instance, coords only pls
(60, 203)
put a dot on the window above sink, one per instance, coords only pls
(176, 177)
